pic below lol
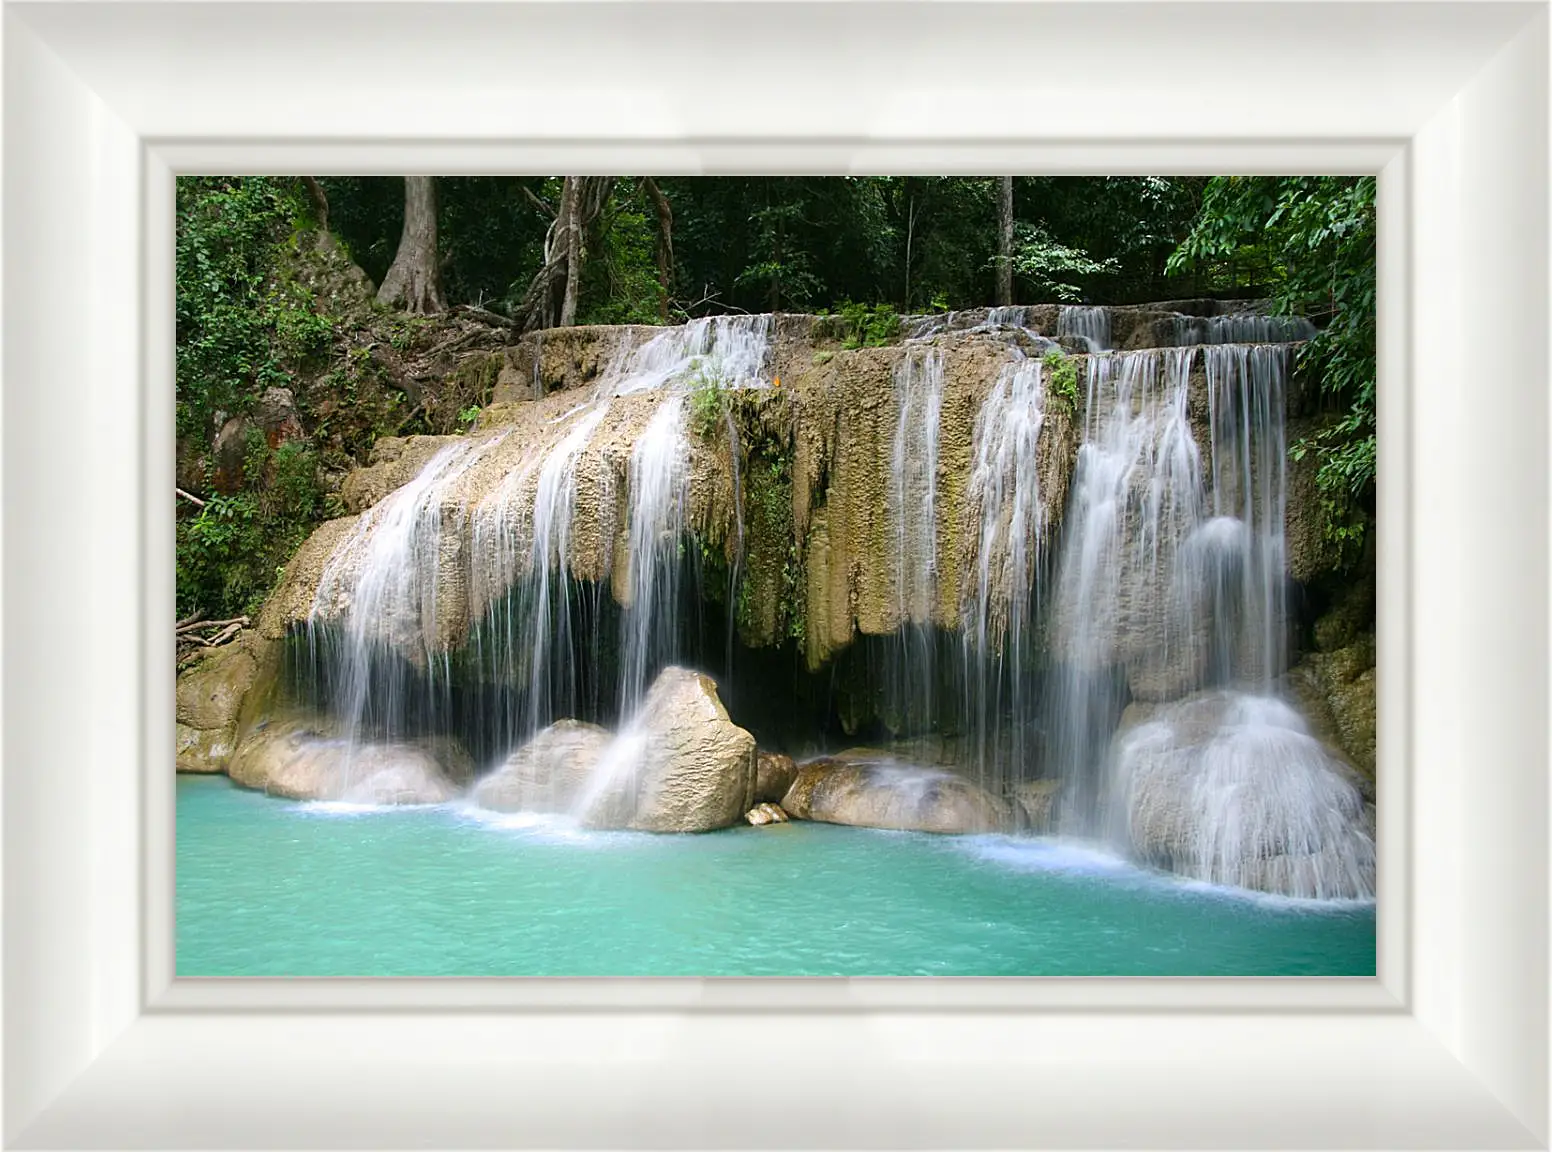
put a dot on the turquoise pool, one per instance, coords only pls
(268, 887)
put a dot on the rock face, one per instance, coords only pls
(774, 774)
(861, 790)
(294, 760)
(1233, 789)
(209, 699)
(817, 474)
(549, 773)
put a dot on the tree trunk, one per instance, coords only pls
(665, 244)
(1005, 241)
(553, 293)
(319, 199)
(414, 281)
(571, 244)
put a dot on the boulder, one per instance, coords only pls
(209, 700)
(210, 694)
(774, 774)
(763, 814)
(548, 773)
(297, 761)
(681, 766)
(880, 792)
(1234, 789)
(230, 451)
(204, 750)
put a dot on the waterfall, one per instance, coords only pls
(526, 631)
(381, 584)
(913, 513)
(1135, 494)
(1241, 328)
(1172, 580)
(656, 521)
(1232, 789)
(1091, 325)
(1246, 389)
(1007, 518)
(379, 648)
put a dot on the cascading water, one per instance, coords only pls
(1169, 593)
(526, 630)
(1172, 579)
(1091, 325)
(1136, 493)
(656, 522)
(1007, 316)
(379, 654)
(380, 585)
(913, 512)
(1008, 518)
(1241, 328)
(1246, 387)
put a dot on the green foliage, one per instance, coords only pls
(241, 327)
(468, 416)
(244, 325)
(1312, 240)
(868, 327)
(1052, 269)
(620, 280)
(230, 554)
(1061, 373)
(708, 399)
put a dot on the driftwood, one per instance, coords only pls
(195, 500)
(195, 623)
(485, 315)
(191, 645)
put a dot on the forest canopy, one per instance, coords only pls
(256, 321)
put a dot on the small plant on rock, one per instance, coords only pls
(1062, 377)
(708, 398)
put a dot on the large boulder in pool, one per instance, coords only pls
(680, 766)
(871, 790)
(1234, 789)
(548, 773)
(294, 760)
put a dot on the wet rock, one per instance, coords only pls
(763, 814)
(298, 761)
(204, 750)
(681, 766)
(774, 774)
(858, 789)
(698, 769)
(548, 773)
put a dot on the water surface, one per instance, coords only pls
(267, 887)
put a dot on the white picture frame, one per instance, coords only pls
(104, 102)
